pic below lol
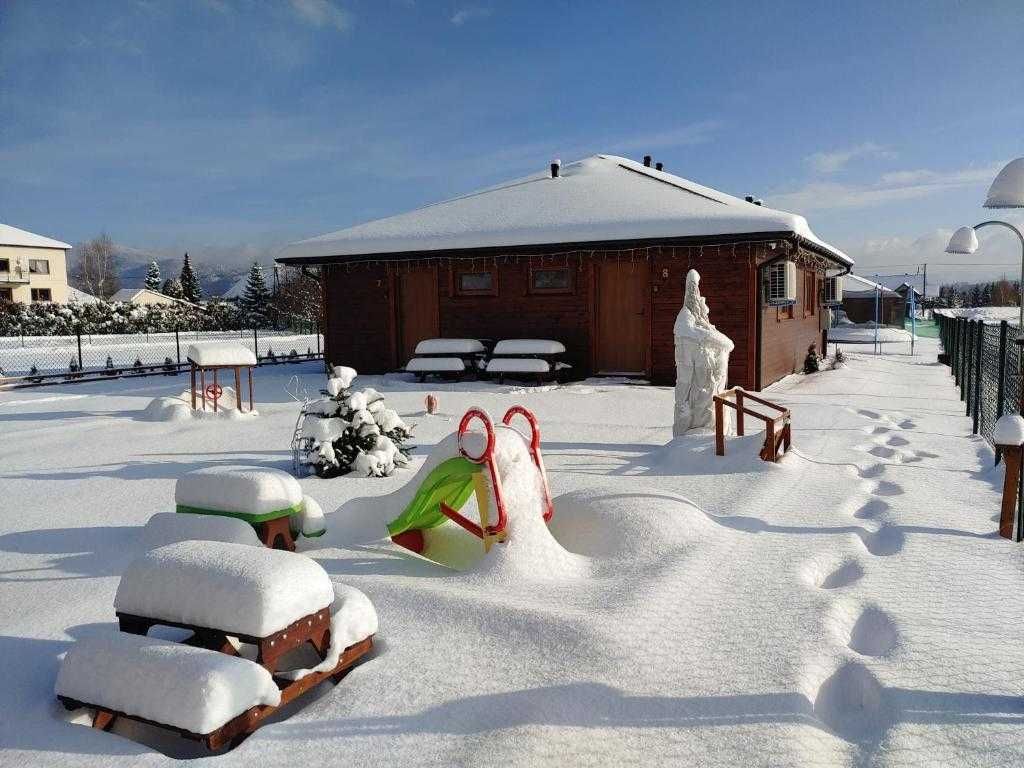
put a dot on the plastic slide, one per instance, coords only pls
(449, 483)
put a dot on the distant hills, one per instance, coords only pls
(219, 269)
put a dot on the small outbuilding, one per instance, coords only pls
(862, 298)
(593, 254)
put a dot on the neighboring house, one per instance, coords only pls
(78, 296)
(33, 268)
(593, 254)
(145, 297)
(904, 289)
(862, 298)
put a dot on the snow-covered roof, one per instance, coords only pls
(601, 198)
(237, 290)
(13, 236)
(855, 286)
(130, 294)
(77, 296)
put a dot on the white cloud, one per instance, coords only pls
(890, 187)
(831, 162)
(322, 13)
(469, 13)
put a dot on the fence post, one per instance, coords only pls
(255, 344)
(963, 357)
(79, 335)
(965, 390)
(977, 374)
(955, 333)
(316, 329)
(177, 344)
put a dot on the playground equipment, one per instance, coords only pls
(449, 485)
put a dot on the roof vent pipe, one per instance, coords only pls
(749, 198)
(555, 167)
(647, 161)
(658, 166)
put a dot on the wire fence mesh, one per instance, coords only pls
(35, 359)
(985, 363)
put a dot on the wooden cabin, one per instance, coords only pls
(593, 254)
(863, 297)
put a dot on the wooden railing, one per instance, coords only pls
(776, 428)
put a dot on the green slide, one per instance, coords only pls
(450, 482)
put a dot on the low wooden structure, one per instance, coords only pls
(216, 357)
(237, 729)
(776, 428)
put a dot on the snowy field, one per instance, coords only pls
(988, 314)
(51, 354)
(849, 606)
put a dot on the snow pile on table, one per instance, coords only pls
(180, 408)
(215, 353)
(1009, 430)
(194, 689)
(238, 488)
(449, 347)
(435, 365)
(165, 528)
(702, 361)
(353, 618)
(529, 550)
(236, 588)
(352, 431)
(529, 347)
(310, 519)
(518, 365)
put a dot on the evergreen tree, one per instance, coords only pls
(190, 288)
(352, 431)
(153, 276)
(256, 300)
(172, 288)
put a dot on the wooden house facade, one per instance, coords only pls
(611, 298)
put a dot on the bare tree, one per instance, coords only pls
(297, 295)
(96, 269)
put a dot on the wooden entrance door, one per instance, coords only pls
(417, 309)
(623, 330)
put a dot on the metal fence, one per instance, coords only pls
(26, 360)
(985, 362)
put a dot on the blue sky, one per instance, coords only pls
(213, 125)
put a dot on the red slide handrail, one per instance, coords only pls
(538, 460)
(487, 457)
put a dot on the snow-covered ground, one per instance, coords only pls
(848, 606)
(867, 333)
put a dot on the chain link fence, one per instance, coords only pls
(26, 360)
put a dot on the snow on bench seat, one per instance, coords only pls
(216, 353)
(238, 589)
(181, 686)
(165, 528)
(250, 491)
(518, 365)
(528, 347)
(449, 347)
(353, 618)
(435, 365)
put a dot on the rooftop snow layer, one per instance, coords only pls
(13, 236)
(600, 198)
(855, 285)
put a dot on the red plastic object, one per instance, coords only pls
(487, 457)
(538, 460)
(411, 539)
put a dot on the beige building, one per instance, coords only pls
(146, 297)
(33, 268)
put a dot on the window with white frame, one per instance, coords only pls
(780, 283)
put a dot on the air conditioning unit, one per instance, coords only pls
(780, 284)
(832, 291)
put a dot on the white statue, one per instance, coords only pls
(702, 361)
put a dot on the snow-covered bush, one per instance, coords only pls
(811, 363)
(41, 319)
(839, 361)
(353, 431)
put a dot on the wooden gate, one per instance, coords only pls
(623, 318)
(417, 309)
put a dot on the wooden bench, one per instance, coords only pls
(535, 358)
(450, 358)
